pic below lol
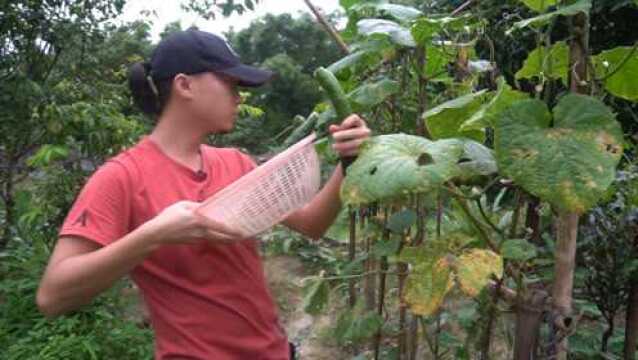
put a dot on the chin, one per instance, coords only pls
(225, 130)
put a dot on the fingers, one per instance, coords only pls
(351, 134)
(219, 228)
(348, 148)
(351, 121)
(217, 237)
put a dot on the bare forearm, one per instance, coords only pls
(75, 281)
(315, 218)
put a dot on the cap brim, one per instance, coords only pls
(248, 75)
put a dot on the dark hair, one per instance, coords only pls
(149, 94)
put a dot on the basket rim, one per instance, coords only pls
(261, 169)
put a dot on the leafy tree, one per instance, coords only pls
(292, 47)
(44, 44)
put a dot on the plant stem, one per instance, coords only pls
(333, 33)
(369, 281)
(477, 224)
(487, 219)
(352, 291)
(382, 280)
(516, 214)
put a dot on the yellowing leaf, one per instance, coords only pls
(569, 165)
(475, 268)
(427, 285)
(395, 165)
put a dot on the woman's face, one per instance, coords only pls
(214, 102)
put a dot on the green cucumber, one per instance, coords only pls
(335, 93)
(339, 101)
(302, 130)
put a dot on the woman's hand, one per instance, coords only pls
(349, 135)
(180, 224)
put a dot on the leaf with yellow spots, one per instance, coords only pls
(427, 285)
(569, 163)
(395, 165)
(475, 268)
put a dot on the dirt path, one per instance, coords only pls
(284, 274)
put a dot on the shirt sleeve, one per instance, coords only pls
(102, 210)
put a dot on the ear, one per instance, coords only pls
(183, 86)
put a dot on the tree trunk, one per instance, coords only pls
(607, 334)
(568, 222)
(631, 325)
(529, 317)
(567, 225)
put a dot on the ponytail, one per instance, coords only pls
(149, 95)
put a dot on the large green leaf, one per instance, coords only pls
(571, 164)
(476, 160)
(437, 60)
(425, 28)
(488, 113)
(396, 32)
(475, 268)
(427, 285)
(371, 94)
(569, 10)
(539, 5)
(347, 61)
(543, 63)
(445, 120)
(391, 166)
(621, 64)
(399, 12)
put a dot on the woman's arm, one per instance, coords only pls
(80, 269)
(316, 217)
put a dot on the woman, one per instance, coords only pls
(204, 285)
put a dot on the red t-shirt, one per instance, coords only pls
(205, 301)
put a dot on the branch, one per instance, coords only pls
(462, 7)
(333, 33)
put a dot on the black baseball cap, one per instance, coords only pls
(193, 51)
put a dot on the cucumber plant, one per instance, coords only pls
(472, 190)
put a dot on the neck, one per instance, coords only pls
(176, 138)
